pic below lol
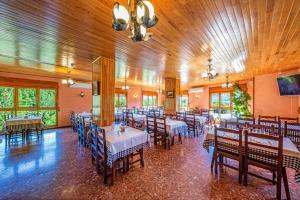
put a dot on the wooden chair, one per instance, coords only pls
(139, 125)
(150, 126)
(180, 116)
(161, 133)
(190, 120)
(288, 119)
(128, 118)
(199, 126)
(232, 125)
(265, 117)
(93, 141)
(73, 121)
(265, 156)
(292, 131)
(246, 120)
(276, 124)
(225, 150)
(82, 131)
(261, 128)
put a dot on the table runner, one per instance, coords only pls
(291, 155)
(120, 144)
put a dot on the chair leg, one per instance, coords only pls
(274, 177)
(278, 185)
(113, 172)
(142, 157)
(245, 172)
(212, 161)
(286, 184)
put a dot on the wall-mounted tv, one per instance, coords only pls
(289, 85)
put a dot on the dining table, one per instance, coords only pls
(176, 127)
(120, 144)
(291, 154)
(23, 123)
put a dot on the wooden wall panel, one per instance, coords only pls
(172, 104)
(104, 70)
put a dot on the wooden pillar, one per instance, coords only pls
(103, 91)
(172, 103)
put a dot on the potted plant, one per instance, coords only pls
(240, 101)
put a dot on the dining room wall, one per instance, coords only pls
(268, 100)
(68, 98)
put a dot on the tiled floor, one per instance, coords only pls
(57, 167)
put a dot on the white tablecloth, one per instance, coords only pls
(120, 144)
(201, 119)
(18, 123)
(175, 127)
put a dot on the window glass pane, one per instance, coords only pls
(122, 100)
(184, 101)
(27, 112)
(27, 97)
(214, 99)
(116, 100)
(3, 116)
(47, 98)
(6, 97)
(225, 99)
(145, 100)
(150, 101)
(154, 100)
(49, 117)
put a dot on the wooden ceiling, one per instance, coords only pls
(243, 37)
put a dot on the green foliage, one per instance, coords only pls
(149, 101)
(27, 97)
(7, 97)
(240, 101)
(47, 98)
(184, 101)
(215, 100)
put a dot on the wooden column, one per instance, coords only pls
(172, 103)
(103, 91)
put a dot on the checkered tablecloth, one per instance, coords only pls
(291, 155)
(120, 144)
(16, 124)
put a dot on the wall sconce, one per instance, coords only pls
(82, 94)
(197, 96)
(135, 96)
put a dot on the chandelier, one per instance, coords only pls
(139, 19)
(68, 81)
(227, 84)
(210, 73)
(125, 87)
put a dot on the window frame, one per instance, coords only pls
(188, 102)
(118, 107)
(219, 107)
(30, 84)
(149, 95)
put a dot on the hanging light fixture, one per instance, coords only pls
(139, 19)
(210, 73)
(227, 84)
(125, 87)
(68, 81)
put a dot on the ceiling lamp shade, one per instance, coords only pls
(210, 73)
(227, 84)
(68, 81)
(125, 87)
(141, 18)
(120, 17)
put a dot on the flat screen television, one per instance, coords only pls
(289, 85)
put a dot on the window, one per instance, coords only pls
(149, 101)
(21, 101)
(220, 103)
(184, 102)
(120, 102)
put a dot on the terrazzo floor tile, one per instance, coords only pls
(57, 167)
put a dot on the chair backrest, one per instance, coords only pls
(101, 146)
(150, 123)
(231, 125)
(229, 135)
(265, 117)
(128, 118)
(180, 116)
(93, 139)
(190, 119)
(276, 124)
(292, 131)
(261, 128)
(246, 120)
(257, 148)
(288, 119)
(160, 125)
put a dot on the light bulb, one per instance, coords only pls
(143, 30)
(204, 75)
(140, 12)
(213, 73)
(120, 13)
(150, 9)
(71, 82)
(64, 81)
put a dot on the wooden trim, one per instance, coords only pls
(120, 91)
(17, 82)
(150, 93)
(184, 92)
